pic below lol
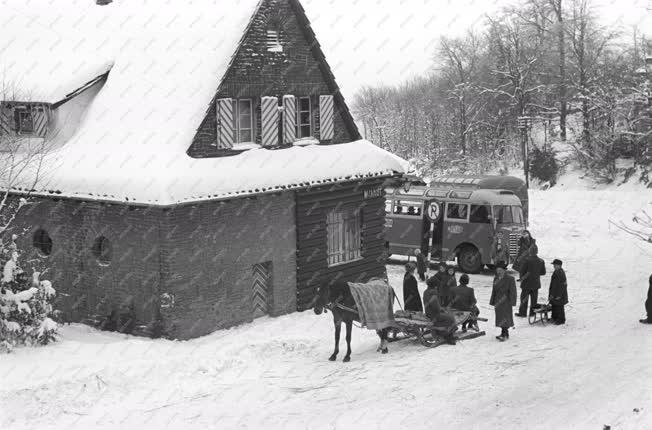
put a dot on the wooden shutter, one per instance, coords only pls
(225, 123)
(326, 117)
(40, 119)
(289, 119)
(269, 119)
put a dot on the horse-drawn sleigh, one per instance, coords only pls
(371, 304)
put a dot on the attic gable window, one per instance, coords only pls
(274, 40)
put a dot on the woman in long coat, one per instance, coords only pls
(503, 299)
(446, 286)
(411, 296)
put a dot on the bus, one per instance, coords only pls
(452, 223)
(491, 182)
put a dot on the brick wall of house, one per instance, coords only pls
(88, 289)
(255, 72)
(209, 252)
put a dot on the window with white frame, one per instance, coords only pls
(24, 121)
(344, 236)
(243, 120)
(304, 117)
(274, 40)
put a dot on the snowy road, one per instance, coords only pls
(274, 373)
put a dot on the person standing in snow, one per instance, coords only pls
(525, 242)
(531, 271)
(438, 277)
(648, 304)
(446, 285)
(499, 251)
(421, 264)
(464, 300)
(558, 293)
(503, 299)
(411, 296)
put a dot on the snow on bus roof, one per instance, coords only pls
(166, 65)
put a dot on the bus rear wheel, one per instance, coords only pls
(469, 259)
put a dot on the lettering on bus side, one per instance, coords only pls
(455, 229)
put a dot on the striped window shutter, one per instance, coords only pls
(269, 119)
(289, 119)
(225, 122)
(40, 117)
(326, 117)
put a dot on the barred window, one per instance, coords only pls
(344, 236)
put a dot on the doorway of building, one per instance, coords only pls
(261, 290)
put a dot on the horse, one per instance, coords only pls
(337, 297)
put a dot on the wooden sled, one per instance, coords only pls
(540, 314)
(417, 325)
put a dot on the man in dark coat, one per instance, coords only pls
(437, 315)
(558, 293)
(503, 299)
(464, 300)
(648, 305)
(525, 242)
(531, 271)
(421, 264)
(411, 296)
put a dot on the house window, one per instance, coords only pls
(343, 229)
(42, 242)
(304, 124)
(102, 250)
(24, 121)
(243, 120)
(274, 41)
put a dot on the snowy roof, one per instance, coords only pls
(166, 64)
(168, 178)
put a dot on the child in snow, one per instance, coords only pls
(421, 264)
(558, 293)
(464, 300)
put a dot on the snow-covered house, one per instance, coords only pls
(206, 168)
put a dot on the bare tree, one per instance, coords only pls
(25, 143)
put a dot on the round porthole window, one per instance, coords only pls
(42, 242)
(102, 250)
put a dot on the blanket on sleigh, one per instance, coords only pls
(374, 300)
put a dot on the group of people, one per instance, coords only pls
(444, 291)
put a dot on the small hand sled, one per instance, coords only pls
(540, 313)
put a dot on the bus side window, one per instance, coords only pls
(480, 214)
(456, 211)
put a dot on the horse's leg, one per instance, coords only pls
(349, 327)
(338, 327)
(384, 334)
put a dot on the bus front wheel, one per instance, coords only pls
(469, 259)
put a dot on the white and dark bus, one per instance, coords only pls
(464, 223)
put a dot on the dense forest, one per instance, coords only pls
(583, 86)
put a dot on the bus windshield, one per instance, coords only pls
(508, 214)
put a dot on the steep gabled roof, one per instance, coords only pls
(166, 64)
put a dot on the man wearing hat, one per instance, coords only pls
(503, 299)
(558, 293)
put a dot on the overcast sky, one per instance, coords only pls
(386, 41)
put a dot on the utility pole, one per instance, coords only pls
(524, 125)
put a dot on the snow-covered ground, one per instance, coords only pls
(274, 373)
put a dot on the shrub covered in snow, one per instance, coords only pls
(544, 165)
(25, 308)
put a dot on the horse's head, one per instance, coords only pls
(320, 300)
